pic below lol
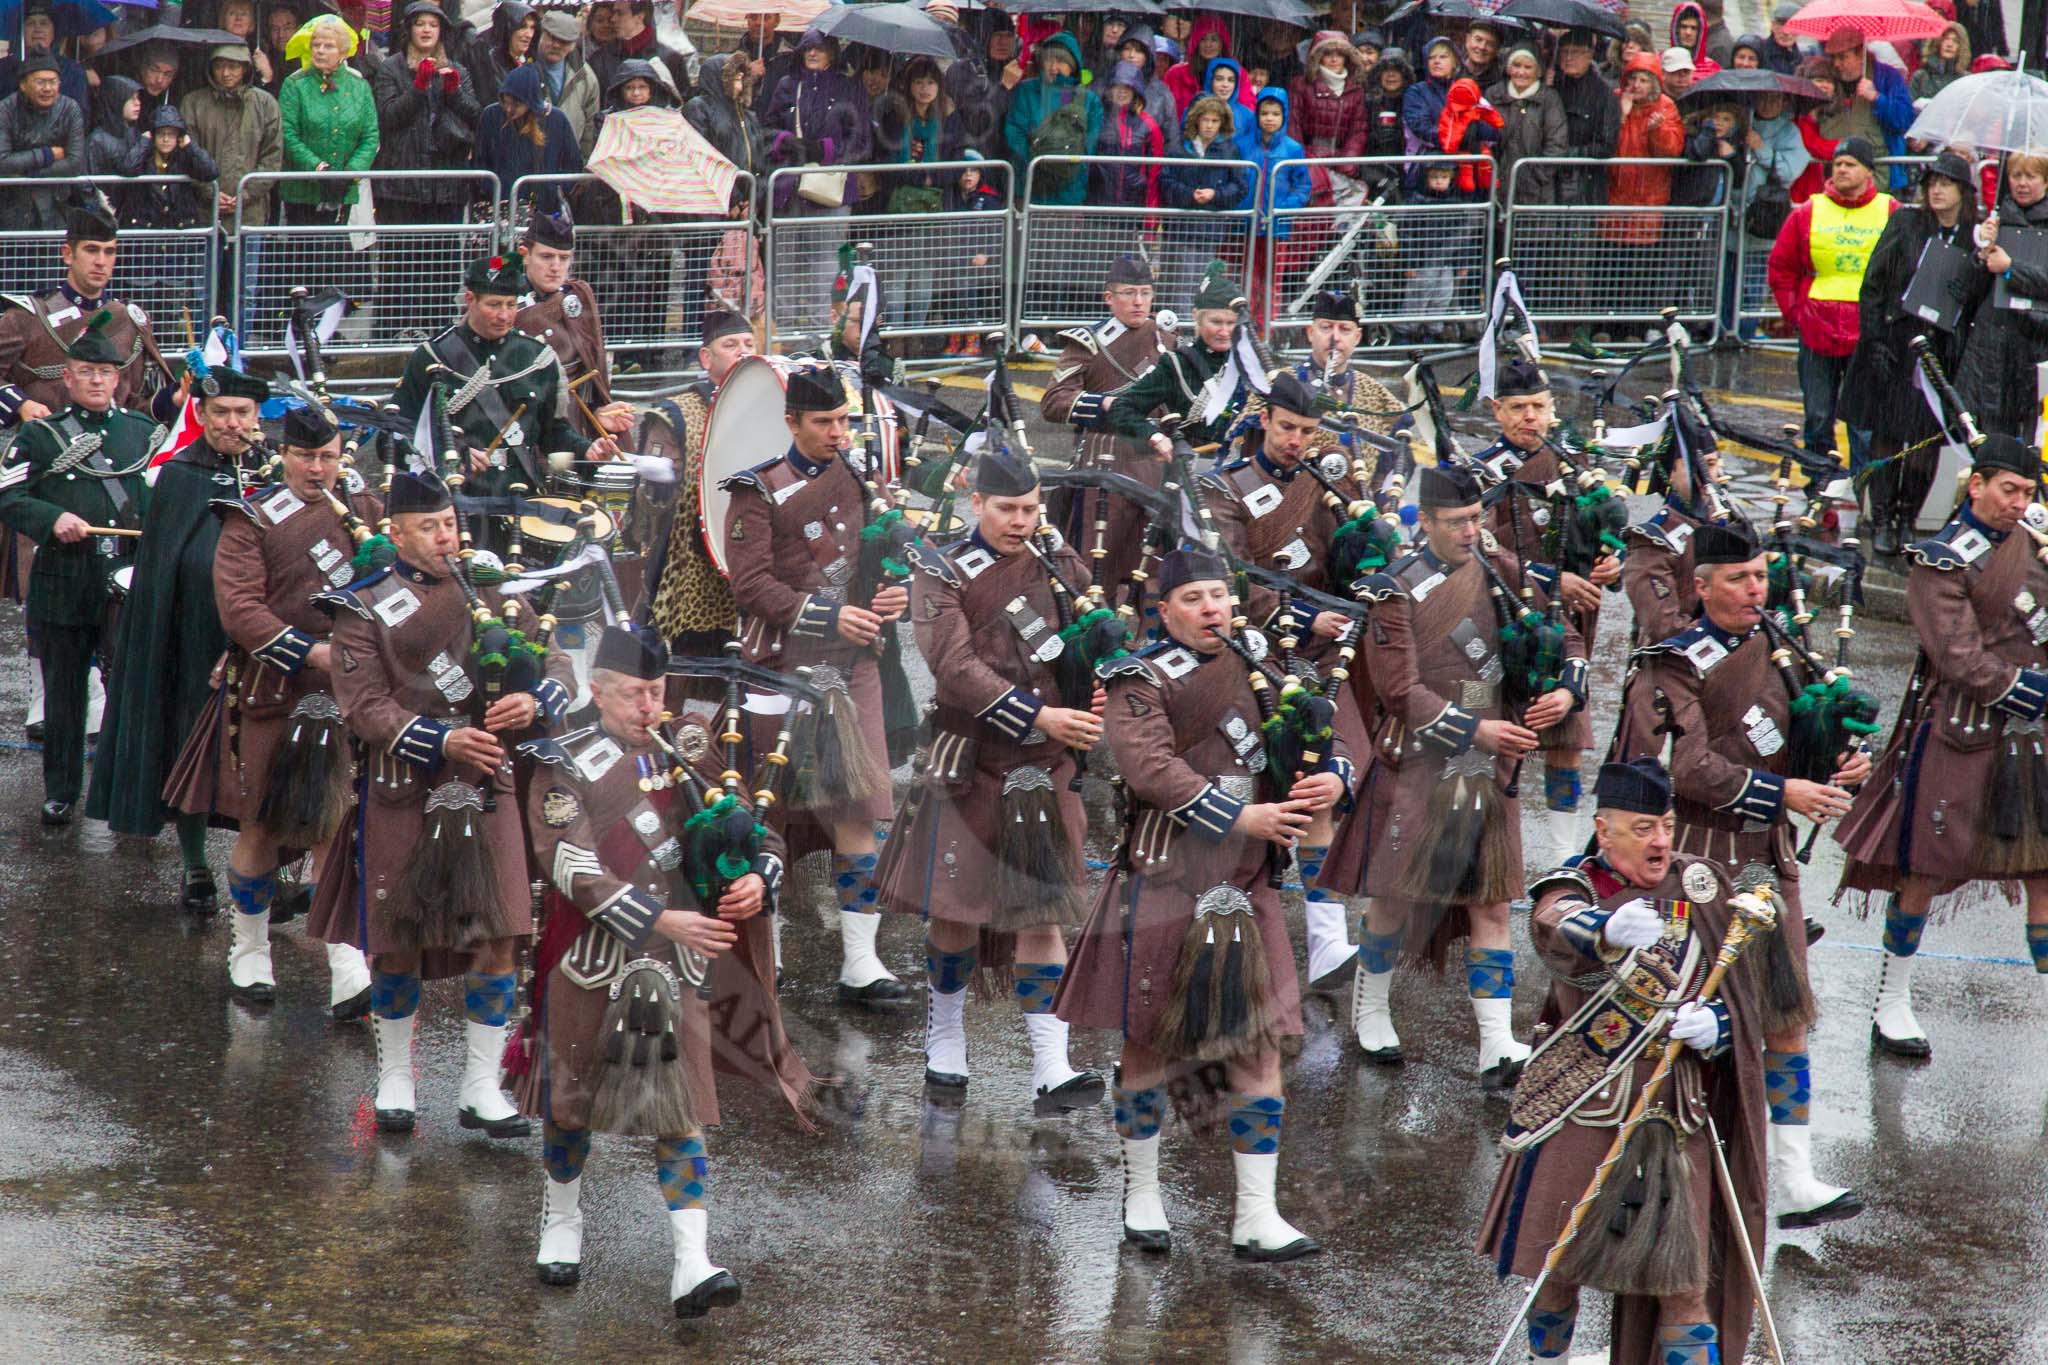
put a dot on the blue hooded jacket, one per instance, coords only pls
(1285, 188)
(1240, 98)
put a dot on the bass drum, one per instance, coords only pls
(746, 430)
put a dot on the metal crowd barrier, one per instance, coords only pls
(1599, 263)
(941, 271)
(1067, 249)
(406, 279)
(653, 281)
(1417, 271)
(170, 273)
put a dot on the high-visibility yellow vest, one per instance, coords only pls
(1840, 242)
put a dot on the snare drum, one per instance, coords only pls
(547, 538)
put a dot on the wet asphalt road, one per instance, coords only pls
(184, 1179)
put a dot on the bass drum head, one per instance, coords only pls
(745, 429)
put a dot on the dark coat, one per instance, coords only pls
(1878, 394)
(1592, 127)
(185, 205)
(510, 153)
(1996, 375)
(113, 139)
(1532, 127)
(426, 130)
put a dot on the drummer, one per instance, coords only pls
(561, 311)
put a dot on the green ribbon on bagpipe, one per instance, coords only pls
(714, 853)
(1532, 655)
(876, 538)
(373, 554)
(1301, 721)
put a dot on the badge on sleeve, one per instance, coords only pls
(559, 808)
(572, 307)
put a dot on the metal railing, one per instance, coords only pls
(942, 271)
(654, 280)
(1617, 262)
(406, 279)
(170, 273)
(1066, 249)
(1415, 270)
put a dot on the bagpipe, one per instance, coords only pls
(1532, 644)
(1830, 715)
(1367, 539)
(1300, 726)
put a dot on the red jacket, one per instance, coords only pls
(1826, 326)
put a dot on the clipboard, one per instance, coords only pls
(2026, 246)
(1935, 293)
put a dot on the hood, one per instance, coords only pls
(1271, 92)
(1237, 92)
(711, 82)
(1206, 24)
(1063, 42)
(639, 68)
(524, 84)
(812, 38)
(1129, 74)
(1328, 42)
(1644, 62)
(1679, 11)
(1930, 51)
(1395, 59)
(113, 93)
(509, 14)
(1463, 94)
(1754, 42)
(1422, 71)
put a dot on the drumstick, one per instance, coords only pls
(111, 531)
(517, 413)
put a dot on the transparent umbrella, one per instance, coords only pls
(1998, 111)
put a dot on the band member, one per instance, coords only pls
(691, 603)
(36, 331)
(623, 957)
(562, 311)
(1444, 830)
(1630, 933)
(793, 542)
(1953, 800)
(1344, 395)
(429, 878)
(1200, 385)
(1524, 456)
(1274, 515)
(72, 471)
(169, 635)
(1657, 570)
(989, 850)
(503, 389)
(1098, 361)
(270, 753)
(1715, 692)
(1186, 949)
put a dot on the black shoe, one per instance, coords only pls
(1814, 931)
(942, 1080)
(1916, 1049)
(1843, 1206)
(34, 731)
(1293, 1251)
(1336, 980)
(284, 909)
(1502, 1075)
(882, 991)
(395, 1120)
(260, 993)
(1885, 539)
(517, 1126)
(57, 812)
(719, 1291)
(1393, 1056)
(1157, 1242)
(1083, 1092)
(355, 1007)
(560, 1273)
(200, 897)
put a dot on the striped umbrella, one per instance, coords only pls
(658, 163)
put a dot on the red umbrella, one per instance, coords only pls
(1891, 21)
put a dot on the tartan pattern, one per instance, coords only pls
(1138, 1112)
(1550, 1334)
(563, 1151)
(251, 895)
(488, 999)
(393, 996)
(1489, 973)
(1377, 953)
(1691, 1343)
(1310, 861)
(1037, 983)
(1255, 1125)
(853, 881)
(949, 973)
(684, 1171)
(1902, 931)
(1788, 1086)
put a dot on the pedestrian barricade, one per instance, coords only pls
(1617, 263)
(1419, 273)
(1067, 249)
(942, 269)
(405, 279)
(654, 281)
(170, 273)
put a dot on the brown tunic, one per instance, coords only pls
(1432, 656)
(276, 551)
(1657, 575)
(1519, 524)
(609, 854)
(1925, 801)
(400, 645)
(793, 545)
(568, 323)
(1538, 1188)
(1183, 728)
(1096, 362)
(972, 609)
(34, 342)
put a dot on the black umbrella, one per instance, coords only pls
(1566, 14)
(165, 33)
(894, 26)
(1745, 84)
(1145, 7)
(1464, 10)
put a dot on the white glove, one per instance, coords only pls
(1698, 1027)
(1634, 924)
(655, 468)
